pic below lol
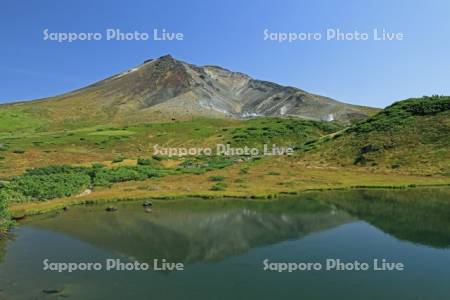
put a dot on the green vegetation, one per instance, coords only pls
(281, 131)
(5, 216)
(116, 132)
(404, 214)
(44, 187)
(220, 186)
(144, 162)
(244, 170)
(402, 113)
(411, 136)
(45, 183)
(106, 177)
(15, 118)
(207, 163)
(118, 159)
(64, 180)
(60, 169)
(272, 173)
(216, 178)
(114, 143)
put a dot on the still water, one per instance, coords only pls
(223, 244)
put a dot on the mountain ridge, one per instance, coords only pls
(166, 88)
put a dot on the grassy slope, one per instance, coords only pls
(407, 144)
(263, 178)
(409, 137)
(22, 150)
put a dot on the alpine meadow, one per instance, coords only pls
(97, 143)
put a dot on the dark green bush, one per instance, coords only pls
(43, 187)
(216, 178)
(105, 177)
(5, 216)
(402, 112)
(274, 173)
(220, 186)
(57, 169)
(8, 195)
(428, 105)
(118, 159)
(97, 166)
(360, 160)
(150, 172)
(144, 162)
(116, 175)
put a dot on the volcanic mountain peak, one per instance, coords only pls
(166, 88)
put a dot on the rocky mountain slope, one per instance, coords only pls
(166, 88)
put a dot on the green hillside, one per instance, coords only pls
(411, 136)
(21, 150)
(407, 144)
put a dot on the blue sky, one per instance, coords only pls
(230, 34)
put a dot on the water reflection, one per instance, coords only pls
(208, 230)
(233, 237)
(420, 216)
(197, 230)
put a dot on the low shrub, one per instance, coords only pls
(144, 162)
(244, 170)
(57, 169)
(118, 159)
(220, 186)
(106, 177)
(43, 187)
(216, 178)
(5, 216)
(116, 175)
(8, 195)
(274, 173)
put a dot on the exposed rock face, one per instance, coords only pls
(165, 88)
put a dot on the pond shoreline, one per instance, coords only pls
(231, 240)
(40, 207)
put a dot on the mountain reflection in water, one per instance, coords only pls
(196, 230)
(208, 230)
(223, 243)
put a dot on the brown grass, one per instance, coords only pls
(264, 178)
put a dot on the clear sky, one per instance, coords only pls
(231, 34)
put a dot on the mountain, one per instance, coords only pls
(165, 88)
(410, 136)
